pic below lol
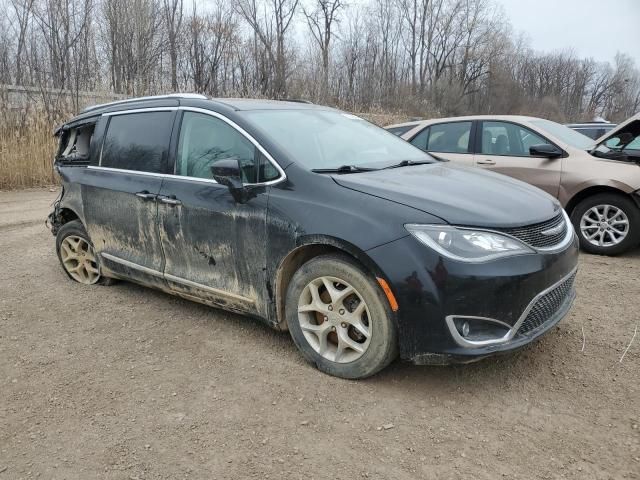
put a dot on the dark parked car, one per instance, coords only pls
(314, 221)
(593, 130)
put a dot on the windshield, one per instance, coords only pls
(321, 139)
(564, 134)
(625, 140)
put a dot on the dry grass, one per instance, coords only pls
(27, 147)
(383, 119)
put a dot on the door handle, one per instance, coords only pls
(170, 200)
(145, 195)
(486, 161)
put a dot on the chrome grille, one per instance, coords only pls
(547, 306)
(532, 234)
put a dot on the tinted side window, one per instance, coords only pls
(420, 140)
(449, 137)
(502, 138)
(138, 141)
(614, 143)
(205, 139)
(400, 130)
(591, 132)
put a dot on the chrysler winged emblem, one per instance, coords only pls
(553, 230)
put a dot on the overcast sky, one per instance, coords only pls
(593, 28)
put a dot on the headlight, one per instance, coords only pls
(467, 245)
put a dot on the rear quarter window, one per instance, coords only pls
(75, 145)
(137, 141)
(400, 130)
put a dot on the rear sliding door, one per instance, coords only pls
(119, 196)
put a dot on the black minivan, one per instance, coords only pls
(315, 221)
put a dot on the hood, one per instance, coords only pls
(630, 125)
(458, 195)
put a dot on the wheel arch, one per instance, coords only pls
(595, 190)
(308, 248)
(61, 216)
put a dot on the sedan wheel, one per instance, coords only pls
(604, 225)
(607, 223)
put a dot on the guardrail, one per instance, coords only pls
(17, 97)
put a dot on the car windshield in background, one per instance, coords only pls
(321, 139)
(565, 134)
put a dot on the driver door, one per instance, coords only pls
(504, 148)
(214, 247)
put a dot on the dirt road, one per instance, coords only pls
(124, 382)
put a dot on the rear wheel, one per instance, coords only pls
(339, 319)
(607, 224)
(77, 256)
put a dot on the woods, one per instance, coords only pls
(419, 57)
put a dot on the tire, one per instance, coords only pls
(76, 255)
(361, 320)
(618, 209)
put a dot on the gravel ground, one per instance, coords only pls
(124, 382)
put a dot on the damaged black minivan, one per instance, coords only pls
(315, 221)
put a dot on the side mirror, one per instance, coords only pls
(227, 172)
(545, 150)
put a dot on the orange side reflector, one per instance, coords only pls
(387, 291)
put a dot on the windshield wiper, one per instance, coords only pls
(408, 163)
(344, 169)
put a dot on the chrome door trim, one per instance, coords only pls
(132, 265)
(151, 174)
(173, 278)
(222, 293)
(123, 170)
(248, 136)
(231, 123)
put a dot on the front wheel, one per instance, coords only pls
(607, 224)
(339, 319)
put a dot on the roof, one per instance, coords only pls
(234, 103)
(191, 100)
(591, 124)
(265, 104)
(517, 118)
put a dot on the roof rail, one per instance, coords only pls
(153, 97)
(297, 100)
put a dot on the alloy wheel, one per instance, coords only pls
(604, 225)
(79, 260)
(334, 319)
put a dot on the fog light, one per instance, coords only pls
(470, 331)
(465, 329)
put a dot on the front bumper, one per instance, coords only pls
(524, 295)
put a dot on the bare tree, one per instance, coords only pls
(132, 31)
(321, 19)
(422, 57)
(173, 12)
(22, 10)
(210, 42)
(270, 21)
